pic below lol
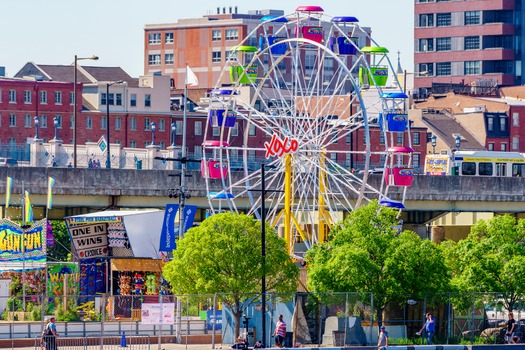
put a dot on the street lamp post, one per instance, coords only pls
(94, 58)
(433, 141)
(55, 124)
(153, 129)
(108, 151)
(37, 124)
(263, 254)
(173, 131)
(457, 141)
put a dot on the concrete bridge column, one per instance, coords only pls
(38, 150)
(173, 152)
(438, 234)
(151, 153)
(56, 153)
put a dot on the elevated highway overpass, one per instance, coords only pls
(83, 190)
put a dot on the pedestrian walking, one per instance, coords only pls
(428, 326)
(382, 340)
(280, 332)
(50, 335)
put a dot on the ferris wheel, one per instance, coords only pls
(306, 94)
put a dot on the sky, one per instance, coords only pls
(54, 31)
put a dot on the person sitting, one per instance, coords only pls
(240, 344)
(258, 345)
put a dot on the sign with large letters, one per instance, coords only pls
(90, 240)
(18, 244)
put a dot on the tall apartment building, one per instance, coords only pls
(471, 43)
(205, 44)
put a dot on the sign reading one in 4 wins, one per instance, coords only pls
(90, 240)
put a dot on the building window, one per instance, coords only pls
(71, 122)
(426, 45)
(133, 123)
(12, 96)
(472, 18)
(503, 124)
(416, 139)
(111, 99)
(416, 159)
(443, 68)
(515, 143)
(154, 38)
(472, 67)
(443, 44)
(168, 58)
(147, 124)
(491, 146)
(27, 96)
(232, 34)
(381, 138)
(103, 122)
(118, 123)
(71, 98)
(443, 19)
(251, 155)
(133, 144)
(399, 138)
(490, 124)
(133, 100)
(216, 56)
(58, 97)
(154, 60)
(197, 128)
(161, 125)
(471, 43)
(168, 38)
(59, 120)
(216, 35)
(197, 152)
(43, 121)
(515, 119)
(503, 147)
(89, 122)
(251, 130)
(118, 101)
(215, 131)
(43, 97)
(179, 127)
(426, 69)
(12, 120)
(28, 120)
(426, 20)
(235, 129)
(147, 100)
(103, 99)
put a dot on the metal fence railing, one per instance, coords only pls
(138, 342)
(319, 319)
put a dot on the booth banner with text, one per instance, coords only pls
(18, 244)
(60, 273)
(90, 241)
(158, 314)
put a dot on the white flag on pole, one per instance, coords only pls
(191, 78)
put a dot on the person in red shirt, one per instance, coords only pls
(280, 332)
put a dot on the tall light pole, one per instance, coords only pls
(55, 124)
(173, 131)
(108, 153)
(153, 129)
(263, 254)
(433, 141)
(457, 141)
(37, 124)
(94, 58)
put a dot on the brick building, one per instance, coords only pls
(474, 45)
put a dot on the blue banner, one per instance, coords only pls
(167, 235)
(189, 216)
(212, 318)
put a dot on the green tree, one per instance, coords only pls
(61, 251)
(491, 259)
(365, 254)
(223, 255)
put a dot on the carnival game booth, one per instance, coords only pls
(118, 254)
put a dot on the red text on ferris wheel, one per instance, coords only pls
(278, 147)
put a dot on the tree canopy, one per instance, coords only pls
(366, 254)
(223, 255)
(491, 259)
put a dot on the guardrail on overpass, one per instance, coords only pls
(122, 188)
